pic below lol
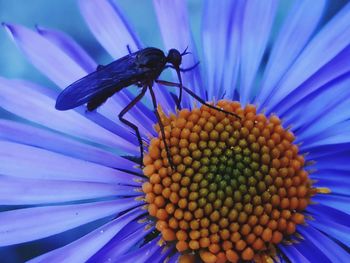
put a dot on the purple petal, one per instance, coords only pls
(88, 245)
(336, 68)
(331, 221)
(257, 22)
(70, 47)
(336, 134)
(336, 180)
(326, 151)
(339, 202)
(311, 251)
(42, 138)
(173, 15)
(327, 108)
(46, 56)
(15, 191)
(327, 44)
(337, 161)
(293, 254)
(109, 26)
(233, 47)
(338, 232)
(220, 38)
(119, 246)
(332, 250)
(174, 258)
(34, 163)
(143, 253)
(296, 31)
(40, 109)
(325, 213)
(23, 225)
(161, 255)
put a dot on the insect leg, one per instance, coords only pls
(194, 95)
(181, 88)
(129, 49)
(190, 68)
(161, 126)
(130, 124)
(183, 69)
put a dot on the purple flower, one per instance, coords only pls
(72, 168)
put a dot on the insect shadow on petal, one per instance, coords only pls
(141, 68)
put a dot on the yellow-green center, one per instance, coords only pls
(238, 189)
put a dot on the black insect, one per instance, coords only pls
(141, 68)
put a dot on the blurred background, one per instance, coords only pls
(64, 15)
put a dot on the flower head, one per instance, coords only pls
(268, 182)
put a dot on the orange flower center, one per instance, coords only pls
(239, 185)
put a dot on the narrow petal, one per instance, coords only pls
(45, 139)
(327, 44)
(257, 21)
(337, 114)
(221, 31)
(331, 221)
(232, 54)
(70, 47)
(337, 161)
(336, 68)
(174, 258)
(143, 253)
(337, 201)
(319, 108)
(310, 251)
(336, 134)
(338, 232)
(293, 254)
(34, 163)
(119, 246)
(332, 250)
(295, 33)
(117, 35)
(325, 150)
(336, 180)
(46, 56)
(23, 225)
(39, 108)
(91, 243)
(173, 14)
(15, 191)
(161, 255)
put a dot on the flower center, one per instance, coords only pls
(239, 186)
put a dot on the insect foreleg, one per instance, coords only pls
(194, 95)
(130, 124)
(161, 126)
(181, 88)
(183, 69)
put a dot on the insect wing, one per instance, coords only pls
(104, 81)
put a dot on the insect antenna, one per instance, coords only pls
(185, 52)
